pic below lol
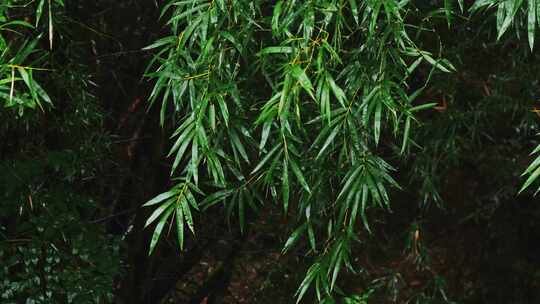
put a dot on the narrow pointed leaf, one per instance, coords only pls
(159, 211)
(158, 230)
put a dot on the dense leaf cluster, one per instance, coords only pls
(300, 103)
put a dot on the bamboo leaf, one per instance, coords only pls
(180, 226)
(300, 75)
(265, 133)
(423, 107)
(312, 272)
(338, 92)
(159, 210)
(377, 123)
(161, 197)
(406, 134)
(159, 229)
(265, 159)
(531, 22)
(354, 10)
(186, 13)
(299, 176)
(328, 141)
(215, 198)
(532, 166)
(285, 185)
(275, 17)
(169, 40)
(534, 175)
(187, 215)
(239, 146)
(293, 238)
(275, 50)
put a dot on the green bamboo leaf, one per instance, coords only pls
(374, 191)
(51, 26)
(159, 210)
(275, 17)
(39, 11)
(536, 150)
(382, 192)
(355, 208)
(531, 22)
(233, 40)
(354, 10)
(532, 166)
(479, 4)
(299, 176)
(283, 100)
(212, 117)
(312, 272)
(266, 158)
(187, 135)
(300, 75)
(461, 6)
(187, 215)
(377, 123)
(222, 5)
(194, 162)
(324, 100)
(186, 13)
(511, 7)
(538, 12)
(178, 4)
(333, 54)
(293, 238)
(193, 166)
(27, 78)
(215, 198)
(534, 175)
(414, 65)
(338, 92)
(161, 197)
(158, 230)
(365, 194)
(350, 178)
(328, 140)
(186, 34)
(406, 134)
(180, 226)
(338, 259)
(501, 13)
(309, 22)
(285, 185)
(423, 107)
(237, 144)
(311, 236)
(169, 40)
(275, 50)
(191, 199)
(435, 63)
(8, 81)
(264, 135)
(26, 49)
(41, 93)
(16, 22)
(180, 154)
(223, 109)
